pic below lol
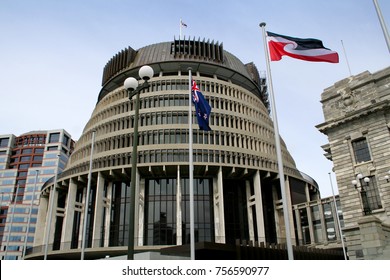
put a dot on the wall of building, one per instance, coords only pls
(26, 163)
(237, 192)
(357, 123)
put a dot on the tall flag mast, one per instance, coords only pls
(383, 24)
(304, 49)
(278, 149)
(182, 24)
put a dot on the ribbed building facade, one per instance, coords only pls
(236, 184)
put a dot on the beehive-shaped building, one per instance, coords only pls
(236, 184)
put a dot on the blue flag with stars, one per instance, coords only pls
(202, 108)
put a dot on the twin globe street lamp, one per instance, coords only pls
(134, 88)
(359, 184)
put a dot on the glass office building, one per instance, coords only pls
(26, 163)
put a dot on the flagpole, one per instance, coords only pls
(179, 39)
(346, 58)
(191, 169)
(290, 252)
(84, 236)
(383, 24)
(338, 218)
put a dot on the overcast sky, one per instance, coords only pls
(52, 55)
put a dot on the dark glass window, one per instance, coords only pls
(160, 212)
(361, 150)
(203, 210)
(372, 193)
(4, 142)
(39, 150)
(25, 158)
(65, 141)
(54, 138)
(26, 151)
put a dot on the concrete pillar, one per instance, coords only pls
(107, 220)
(66, 236)
(137, 226)
(141, 211)
(250, 202)
(299, 226)
(82, 216)
(310, 222)
(179, 237)
(278, 214)
(54, 217)
(290, 213)
(219, 219)
(98, 211)
(40, 228)
(256, 201)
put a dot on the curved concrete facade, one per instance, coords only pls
(237, 192)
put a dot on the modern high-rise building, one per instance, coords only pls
(357, 123)
(26, 163)
(237, 194)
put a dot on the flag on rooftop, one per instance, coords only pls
(202, 107)
(305, 49)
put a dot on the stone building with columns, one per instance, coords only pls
(236, 184)
(357, 123)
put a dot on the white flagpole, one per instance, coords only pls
(278, 148)
(191, 169)
(338, 218)
(84, 237)
(383, 24)
(180, 38)
(346, 58)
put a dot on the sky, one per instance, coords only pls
(52, 55)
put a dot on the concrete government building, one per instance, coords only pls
(357, 123)
(236, 185)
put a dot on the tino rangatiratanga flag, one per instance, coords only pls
(305, 49)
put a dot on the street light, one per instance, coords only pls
(134, 88)
(359, 184)
(387, 176)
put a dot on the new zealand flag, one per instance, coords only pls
(202, 107)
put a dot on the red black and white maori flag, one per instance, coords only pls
(304, 49)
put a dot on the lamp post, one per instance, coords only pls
(134, 88)
(359, 184)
